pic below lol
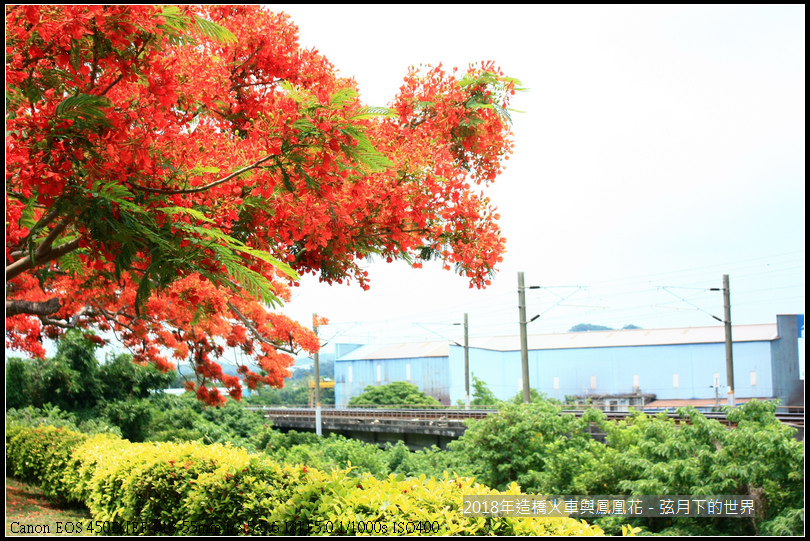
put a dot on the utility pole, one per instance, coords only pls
(729, 355)
(466, 362)
(316, 358)
(524, 341)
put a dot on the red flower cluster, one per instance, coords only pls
(173, 203)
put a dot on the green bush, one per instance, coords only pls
(335, 452)
(339, 504)
(133, 416)
(53, 416)
(516, 444)
(189, 488)
(150, 482)
(184, 418)
(21, 389)
(399, 393)
(759, 458)
(40, 456)
(242, 493)
(432, 462)
(83, 462)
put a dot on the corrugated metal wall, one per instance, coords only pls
(430, 374)
(613, 370)
(561, 372)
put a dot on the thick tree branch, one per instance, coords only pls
(56, 323)
(27, 263)
(45, 247)
(45, 308)
(44, 220)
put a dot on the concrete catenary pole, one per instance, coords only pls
(524, 341)
(317, 367)
(466, 362)
(729, 354)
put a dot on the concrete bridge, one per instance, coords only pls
(417, 428)
(420, 428)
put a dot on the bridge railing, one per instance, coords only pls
(793, 415)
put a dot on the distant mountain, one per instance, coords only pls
(585, 327)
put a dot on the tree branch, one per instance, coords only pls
(207, 186)
(43, 221)
(45, 308)
(256, 333)
(56, 323)
(27, 263)
(48, 242)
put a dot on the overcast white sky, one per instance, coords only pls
(660, 146)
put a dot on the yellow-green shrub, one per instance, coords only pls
(339, 504)
(150, 482)
(40, 456)
(196, 489)
(242, 496)
(84, 461)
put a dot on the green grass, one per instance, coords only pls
(30, 512)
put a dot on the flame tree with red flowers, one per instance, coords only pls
(170, 172)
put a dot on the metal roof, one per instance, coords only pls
(592, 339)
(404, 350)
(634, 337)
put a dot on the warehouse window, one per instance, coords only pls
(675, 383)
(379, 373)
(556, 384)
(593, 382)
(753, 378)
(350, 374)
(407, 372)
(635, 381)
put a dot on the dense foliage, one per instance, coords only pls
(175, 205)
(550, 453)
(398, 393)
(193, 489)
(541, 451)
(482, 395)
(75, 384)
(534, 446)
(294, 393)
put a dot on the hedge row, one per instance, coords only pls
(190, 488)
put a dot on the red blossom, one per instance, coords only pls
(152, 134)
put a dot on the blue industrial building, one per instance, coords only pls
(671, 364)
(424, 364)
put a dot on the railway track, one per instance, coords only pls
(457, 416)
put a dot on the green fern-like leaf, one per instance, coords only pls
(144, 289)
(214, 31)
(174, 18)
(84, 106)
(375, 161)
(373, 112)
(196, 214)
(343, 97)
(252, 282)
(267, 258)
(72, 264)
(363, 144)
(304, 124)
(295, 93)
(233, 245)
